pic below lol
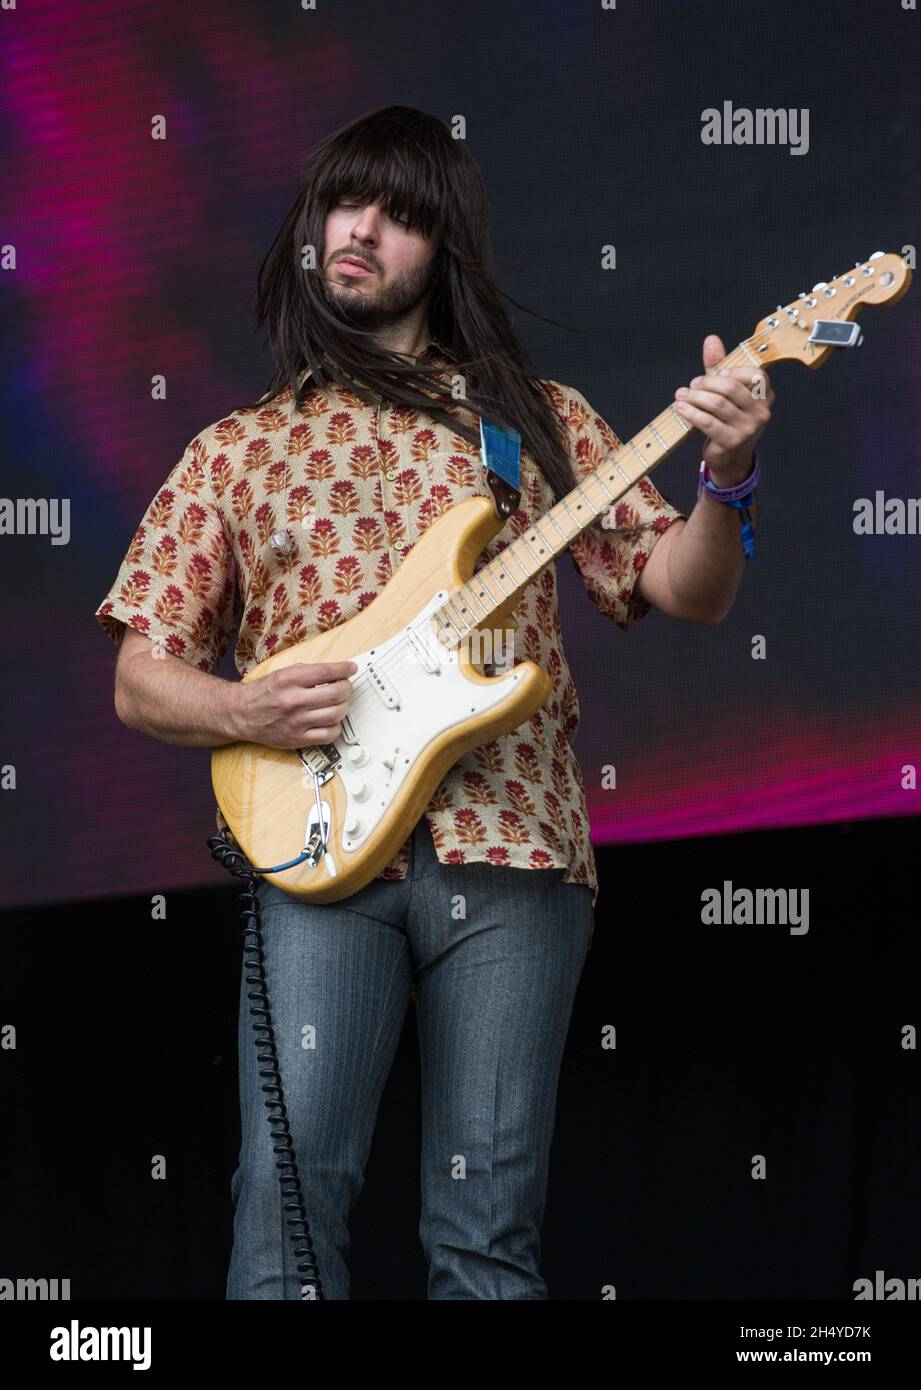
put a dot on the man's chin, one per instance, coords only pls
(358, 310)
(353, 295)
(347, 287)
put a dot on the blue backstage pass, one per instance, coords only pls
(500, 450)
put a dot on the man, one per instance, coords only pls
(287, 517)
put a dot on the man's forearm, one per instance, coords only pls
(705, 563)
(168, 699)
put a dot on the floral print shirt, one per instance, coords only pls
(364, 482)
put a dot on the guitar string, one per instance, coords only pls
(362, 678)
(360, 698)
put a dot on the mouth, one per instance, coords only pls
(351, 265)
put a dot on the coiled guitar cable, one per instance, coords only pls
(227, 853)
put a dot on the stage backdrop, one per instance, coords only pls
(126, 256)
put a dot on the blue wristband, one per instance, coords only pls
(738, 497)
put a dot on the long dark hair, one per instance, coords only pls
(409, 162)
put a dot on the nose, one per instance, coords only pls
(366, 227)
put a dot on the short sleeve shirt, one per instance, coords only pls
(364, 482)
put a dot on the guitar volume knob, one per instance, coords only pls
(357, 754)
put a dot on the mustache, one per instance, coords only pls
(355, 256)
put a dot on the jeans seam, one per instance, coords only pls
(377, 1037)
(492, 1143)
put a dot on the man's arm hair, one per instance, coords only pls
(161, 695)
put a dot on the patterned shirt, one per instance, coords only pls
(364, 482)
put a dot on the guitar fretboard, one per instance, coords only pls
(474, 603)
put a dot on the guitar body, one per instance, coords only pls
(418, 705)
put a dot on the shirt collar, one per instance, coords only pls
(436, 348)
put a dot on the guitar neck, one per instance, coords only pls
(501, 580)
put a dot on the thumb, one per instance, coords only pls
(713, 351)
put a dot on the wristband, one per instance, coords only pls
(738, 497)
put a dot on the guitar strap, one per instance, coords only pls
(505, 499)
(500, 451)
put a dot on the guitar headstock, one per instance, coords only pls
(814, 324)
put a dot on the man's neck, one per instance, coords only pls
(408, 341)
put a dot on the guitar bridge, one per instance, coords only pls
(320, 760)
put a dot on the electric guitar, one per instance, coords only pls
(321, 821)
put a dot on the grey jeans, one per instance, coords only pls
(495, 955)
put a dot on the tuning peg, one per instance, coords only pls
(876, 255)
(820, 286)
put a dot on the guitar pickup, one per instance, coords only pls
(428, 656)
(349, 730)
(383, 687)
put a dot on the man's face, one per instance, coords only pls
(398, 263)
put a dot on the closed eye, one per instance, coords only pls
(346, 203)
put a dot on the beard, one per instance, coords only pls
(387, 305)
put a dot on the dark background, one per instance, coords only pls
(731, 1042)
(135, 257)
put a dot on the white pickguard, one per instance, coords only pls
(407, 691)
